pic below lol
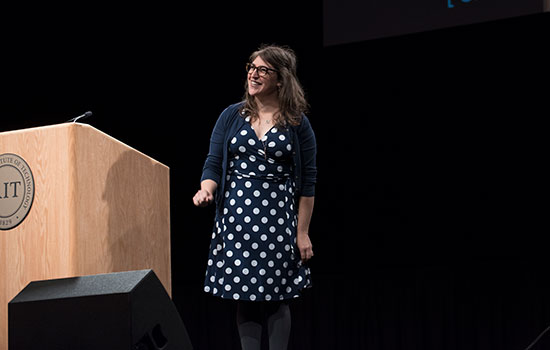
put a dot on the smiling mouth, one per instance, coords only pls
(255, 83)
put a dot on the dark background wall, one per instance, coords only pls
(429, 228)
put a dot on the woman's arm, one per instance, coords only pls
(205, 195)
(212, 170)
(305, 210)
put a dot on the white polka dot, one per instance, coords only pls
(238, 228)
(252, 297)
(229, 253)
(242, 149)
(264, 220)
(256, 194)
(246, 236)
(261, 167)
(282, 137)
(232, 201)
(251, 142)
(252, 158)
(256, 211)
(239, 210)
(248, 184)
(263, 237)
(244, 165)
(281, 221)
(236, 296)
(255, 228)
(265, 203)
(228, 270)
(273, 212)
(237, 262)
(236, 279)
(273, 194)
(244, 288)
(240, 193)
(278, 154)
(245, 271)
(247, 201)
(228, 287)
(271, 144)
(269, 281)
(254, 245)
(274, 130)
(254, 263)
(280, 238)
(246, 253)
(244, 132)
(281, 204)
(247, 219)
(234, 140)
(206, 289)
(265, 185)
(272, 229)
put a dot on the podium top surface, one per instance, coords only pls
(73, 127)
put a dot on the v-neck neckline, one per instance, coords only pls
(261, 139)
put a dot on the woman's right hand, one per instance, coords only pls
(203, 198)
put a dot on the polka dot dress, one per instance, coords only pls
(253, 254)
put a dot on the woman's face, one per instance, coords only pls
(262, 82)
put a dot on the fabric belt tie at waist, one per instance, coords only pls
(276, 179)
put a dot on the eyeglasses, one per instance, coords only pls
(262, 70)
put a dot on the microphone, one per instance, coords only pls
(82, 116)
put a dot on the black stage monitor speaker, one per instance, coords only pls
(116, 311)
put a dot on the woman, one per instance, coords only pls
(261, 172)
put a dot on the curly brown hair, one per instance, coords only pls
(292, 101)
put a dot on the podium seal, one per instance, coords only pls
(16, 190)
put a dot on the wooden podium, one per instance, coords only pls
(99, 206)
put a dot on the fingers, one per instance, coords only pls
(305, 247)
(202, 198)
(306, 253)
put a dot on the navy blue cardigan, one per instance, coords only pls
(230, 121)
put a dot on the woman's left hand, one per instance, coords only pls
(305, 246)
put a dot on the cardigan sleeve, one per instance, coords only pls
(213, 166)
(308, 155)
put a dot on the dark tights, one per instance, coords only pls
(252, 315)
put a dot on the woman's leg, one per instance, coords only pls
(249, 323)
(278, 325)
